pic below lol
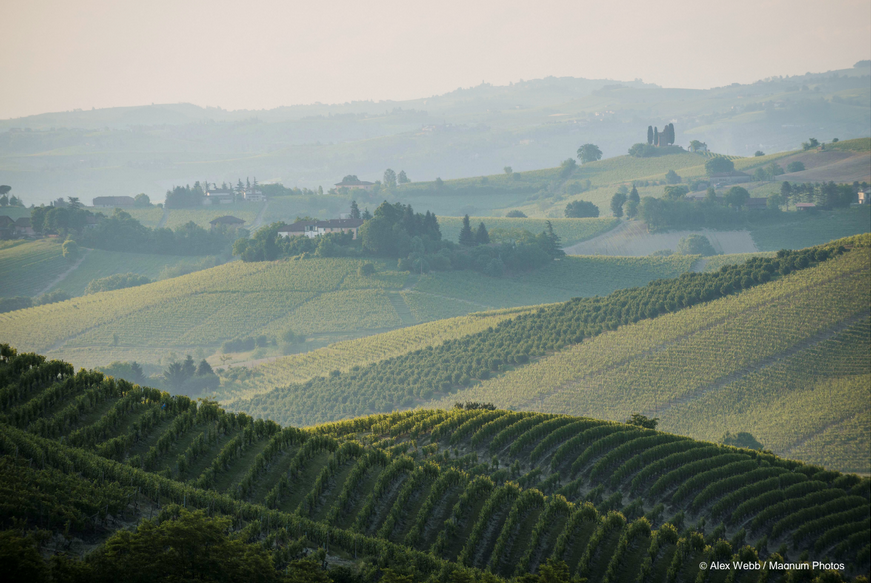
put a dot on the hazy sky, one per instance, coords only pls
(59, 55)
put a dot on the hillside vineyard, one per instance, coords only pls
(418, 376)
(441, 492)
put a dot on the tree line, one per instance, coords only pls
(396, 231)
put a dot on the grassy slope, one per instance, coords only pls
(689, 367)
(323, 299)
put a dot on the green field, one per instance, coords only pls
(28, 268)
(323, 299)
(445, 491)
(722, 366)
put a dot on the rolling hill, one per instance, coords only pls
(755, 362)
(31, 268)
(429, 492)
(466, 365)
(324, 300)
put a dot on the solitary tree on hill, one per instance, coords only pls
(589, 153)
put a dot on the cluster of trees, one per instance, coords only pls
(625, 200)
(657, 138)
(825, 195)
(121, 232)
(189, 378)
(414, 239)
(22, 302)
(658, 143)
(6, 200)
(403, 380)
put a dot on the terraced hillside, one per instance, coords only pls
(428, 493)
(468, 366)
(324, 300)
(757, 361)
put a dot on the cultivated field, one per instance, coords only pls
(322, 299)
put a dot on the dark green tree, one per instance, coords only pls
(633, 194)
(737, 197)
(482, 237)
(655, 136)
(695, 245)
(467, 237)
(642, 421)
(355, 210)
(389, 178)
(204, 368)
(581, 209)
(567, 167)
(672, 178)
(718, 165)
(403, 178)
(188, 547)
(70, 250)
(742, 439)
(617, 204)
(650, 135)
(589, 153)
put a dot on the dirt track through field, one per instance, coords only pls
(632, 239)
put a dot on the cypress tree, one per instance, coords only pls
(649, 135)
(655, 136)
(482, 237)
(467, 238)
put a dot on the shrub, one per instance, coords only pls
(366, 269)
(515, 214)
(581, 209)
(695, 245)
(117, 281)
(795, 166)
